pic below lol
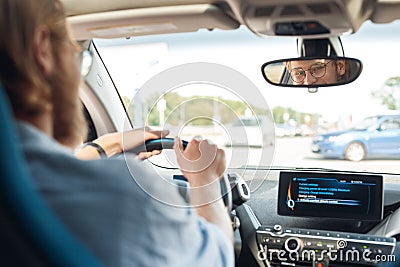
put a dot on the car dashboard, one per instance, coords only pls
(270, 239)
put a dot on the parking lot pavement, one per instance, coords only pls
(296, 152)
(290, 152)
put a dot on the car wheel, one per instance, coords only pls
(355, 151)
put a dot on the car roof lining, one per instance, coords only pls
(386, 12)
(192, 15)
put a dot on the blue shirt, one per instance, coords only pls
(121, 209)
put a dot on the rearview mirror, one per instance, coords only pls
(312, 72)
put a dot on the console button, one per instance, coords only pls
(278, 229)
(330, 246)
(293, 244)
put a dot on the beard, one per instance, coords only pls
(69, 124)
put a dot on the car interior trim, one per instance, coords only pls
(157, 20)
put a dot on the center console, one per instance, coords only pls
(280, 246)
(335, 211)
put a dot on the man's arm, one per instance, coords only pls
(203, 164)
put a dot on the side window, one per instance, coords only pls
(391, 124)
(396, 123)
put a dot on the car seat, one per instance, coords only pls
(30, 233)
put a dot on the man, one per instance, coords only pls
(316, 72)
(122, 212)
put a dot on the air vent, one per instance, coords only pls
(264, 11)
(291, 11)
(319, 9)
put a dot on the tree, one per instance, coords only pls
(183, 109)
(299, 117)
(390, 93)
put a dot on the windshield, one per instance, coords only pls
(150, 75)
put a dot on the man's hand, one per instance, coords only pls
(134, 138)
(116, 143)
(201, 162)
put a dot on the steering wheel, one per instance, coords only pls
(168, 143)
(156, 144)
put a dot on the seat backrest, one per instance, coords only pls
(30, 231)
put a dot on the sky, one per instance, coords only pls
(132, 62)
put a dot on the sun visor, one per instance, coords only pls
(146, 21)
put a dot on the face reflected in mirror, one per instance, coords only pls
(317, 71)
(314, 72)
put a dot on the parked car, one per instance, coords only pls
(373, 137)
(251, 131)
(282, 130)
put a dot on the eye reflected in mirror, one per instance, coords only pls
(312, 72)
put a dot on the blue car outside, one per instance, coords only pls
(374, 137)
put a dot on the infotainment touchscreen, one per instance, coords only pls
(332, 195)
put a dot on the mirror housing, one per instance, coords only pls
(381, 127)
(312, 72)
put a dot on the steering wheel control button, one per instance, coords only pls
(321, 242)
(240, 189)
